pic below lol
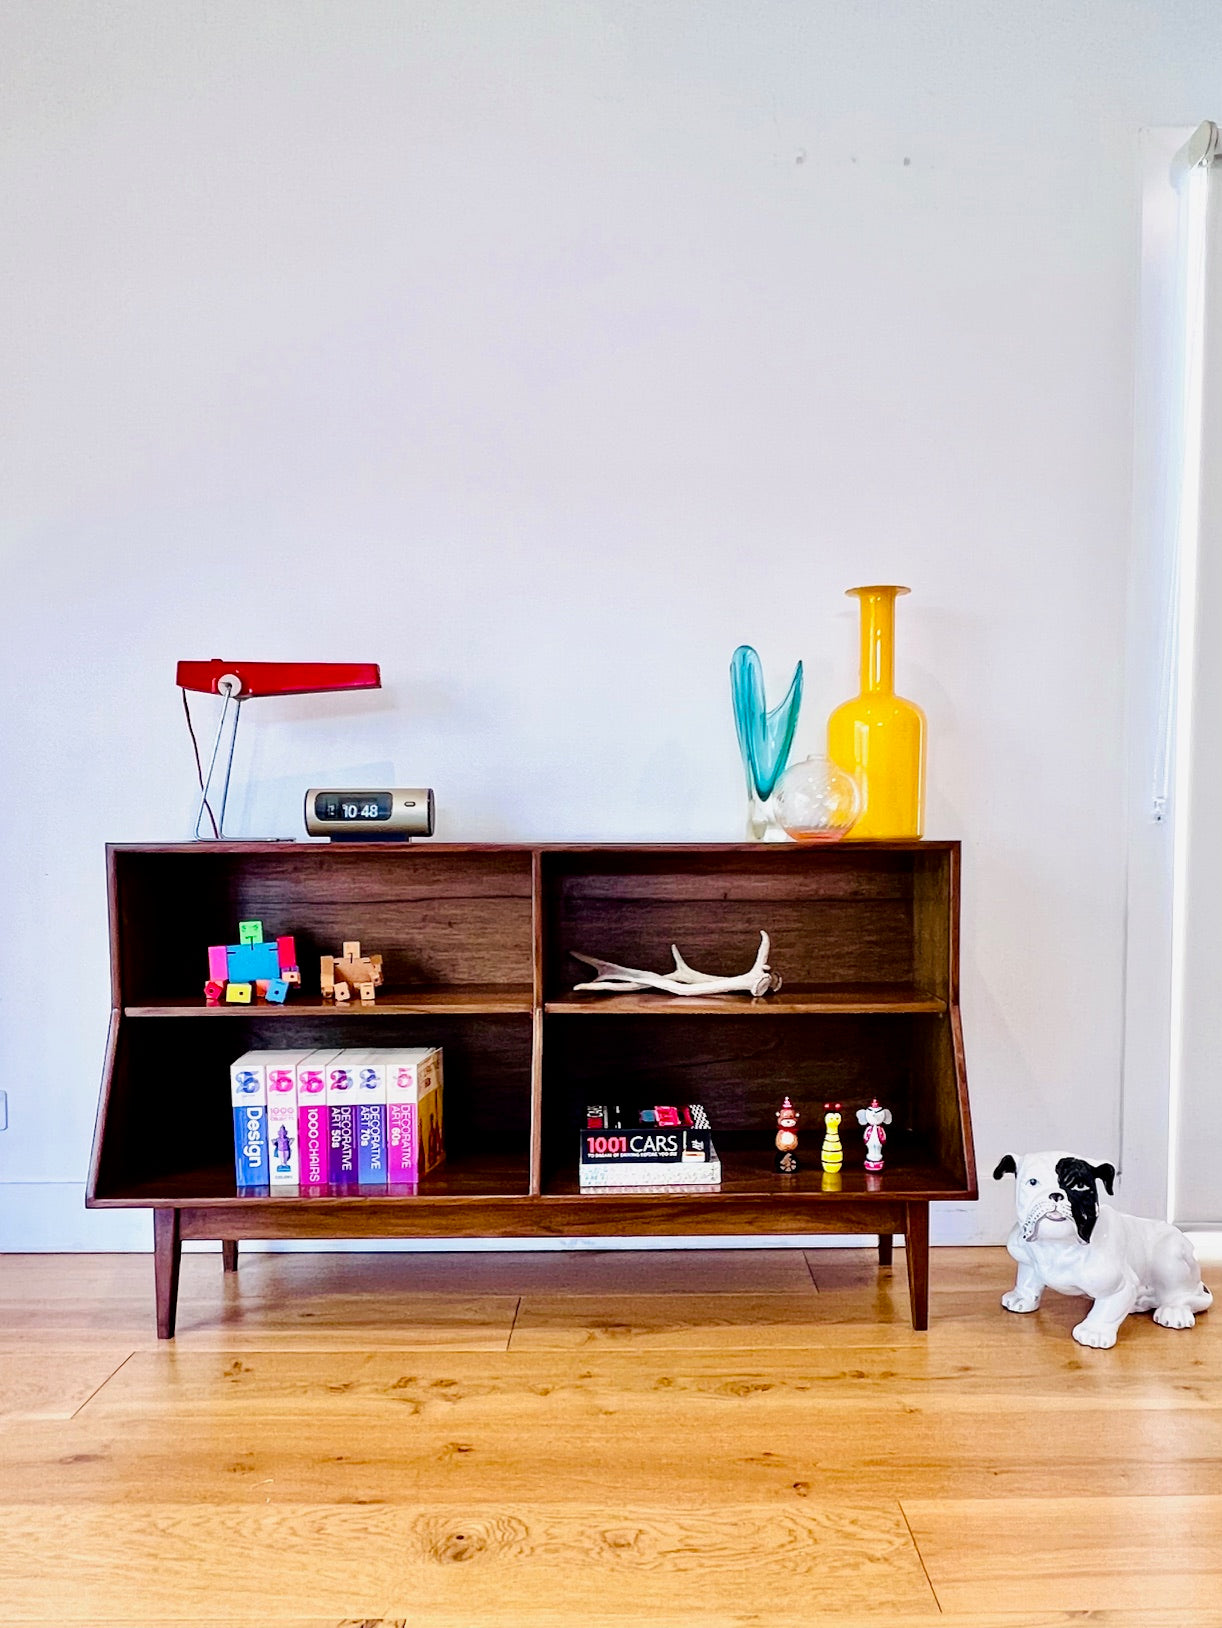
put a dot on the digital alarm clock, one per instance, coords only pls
(392, 814)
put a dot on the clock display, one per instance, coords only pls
(354, 807)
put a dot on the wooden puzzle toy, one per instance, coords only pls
(264, 969)
(350, 971)
(833, 1151)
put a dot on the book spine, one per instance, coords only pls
(248, 1095)
(313, 1126)
(430, 1135)
(371, 1124)
(341, 1103)
(402, 1164)
(283, 1143)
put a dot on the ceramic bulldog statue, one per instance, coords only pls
(1066, 1240)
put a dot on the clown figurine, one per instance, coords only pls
(787, 1138)
(874, 1118)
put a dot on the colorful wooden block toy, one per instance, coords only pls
(252, 969)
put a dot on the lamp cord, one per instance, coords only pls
(199, 770)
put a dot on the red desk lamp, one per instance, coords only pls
(238, 681)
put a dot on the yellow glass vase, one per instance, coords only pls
(878, 737)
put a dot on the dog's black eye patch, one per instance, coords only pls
(1077, 1178)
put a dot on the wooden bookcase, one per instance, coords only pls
(476, 940)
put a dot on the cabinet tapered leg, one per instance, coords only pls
(167, 1253)
(885, 1243)
(229, 1254)
(916, 1238)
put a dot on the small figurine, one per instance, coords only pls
(833, 1153)
(874, 1118)
(787, 1118)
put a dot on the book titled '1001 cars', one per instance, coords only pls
(651, 1155)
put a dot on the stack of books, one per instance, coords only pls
(315, 1124)
(661, 1149)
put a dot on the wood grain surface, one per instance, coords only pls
(723, 1438)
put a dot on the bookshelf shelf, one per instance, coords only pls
(454, 1000)
(478, 943)
(825, 1000)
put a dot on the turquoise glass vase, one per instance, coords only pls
(764, 738)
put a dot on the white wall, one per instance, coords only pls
(544, 352)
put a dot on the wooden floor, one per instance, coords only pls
(595, 1439)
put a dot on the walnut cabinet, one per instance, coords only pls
(477, 942)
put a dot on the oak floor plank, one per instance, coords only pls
(428, 1437)
(717, 1322)
(965, 1268)
(299, 1301)
(940, 1375)
(581, 1271)
(137, 1562)
(518, 1615)
(51, 1384)
(1106, 1553)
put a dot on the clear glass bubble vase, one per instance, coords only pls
(816, 801)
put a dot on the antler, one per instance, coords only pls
(684, 980)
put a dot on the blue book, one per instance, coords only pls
(369, 1069)
(248, 1095)
(250, 1145)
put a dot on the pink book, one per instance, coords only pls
(412, 1075)
(314, 1120)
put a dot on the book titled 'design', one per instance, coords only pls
(649, 1156)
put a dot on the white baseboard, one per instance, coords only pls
(1208, 1246)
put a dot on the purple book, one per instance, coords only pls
(341, 1104)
